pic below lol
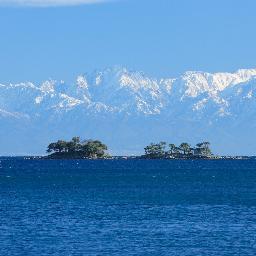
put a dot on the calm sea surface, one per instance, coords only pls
(134, 207)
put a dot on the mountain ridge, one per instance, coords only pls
(129, 109)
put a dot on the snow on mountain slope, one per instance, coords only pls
(129, 109)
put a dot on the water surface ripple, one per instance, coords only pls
(134, 207)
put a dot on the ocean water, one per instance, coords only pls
(135, 207)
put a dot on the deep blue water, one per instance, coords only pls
(134, 207)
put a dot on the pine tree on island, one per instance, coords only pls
(90, 149)
(184, 150)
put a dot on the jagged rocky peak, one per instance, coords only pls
(198, 82)
(122, 90)
(117, 77)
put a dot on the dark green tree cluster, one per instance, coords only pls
(204, 148)
(156, 150)
(77, 148)
(184, 150)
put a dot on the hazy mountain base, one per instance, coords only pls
(126, 136)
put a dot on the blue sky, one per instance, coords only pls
(160, 37)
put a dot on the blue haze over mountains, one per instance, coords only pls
(128, 110)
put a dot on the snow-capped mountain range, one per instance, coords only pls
(128, 110)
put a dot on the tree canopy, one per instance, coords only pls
(184, 150)
(77, 148)
(156, 150)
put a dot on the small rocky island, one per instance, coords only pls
(95, 149)
(77, 149)
(164, 150)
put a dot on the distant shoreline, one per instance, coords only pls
(132, 158)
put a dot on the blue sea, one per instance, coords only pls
(133, 207)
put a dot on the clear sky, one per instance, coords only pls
(163, 38)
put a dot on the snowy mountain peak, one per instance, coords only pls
(194, 104)
(82, 82)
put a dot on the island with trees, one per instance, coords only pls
(95, 149)
(163, 150)
(77, 149)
